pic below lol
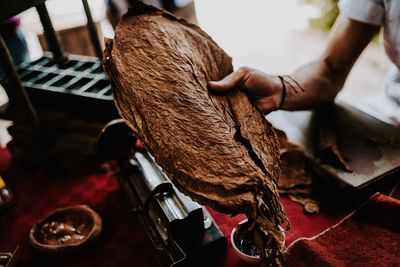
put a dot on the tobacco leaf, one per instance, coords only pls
(219, 150)
(295, 180)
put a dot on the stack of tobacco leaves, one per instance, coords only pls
(295, 180)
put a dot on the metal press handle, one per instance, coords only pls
(153, 175)
(155, 180)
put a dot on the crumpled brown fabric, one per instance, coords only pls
(219, 150)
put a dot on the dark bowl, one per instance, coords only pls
(66, 229)
(236, 239)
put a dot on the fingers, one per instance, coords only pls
(230, 82)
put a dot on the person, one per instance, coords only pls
(317, 83)
(14, 39)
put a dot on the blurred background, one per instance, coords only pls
(276, 36)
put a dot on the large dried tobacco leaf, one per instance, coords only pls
(219, 150)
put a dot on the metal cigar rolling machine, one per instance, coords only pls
(179, 229)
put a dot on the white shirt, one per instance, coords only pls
(378, 12)
(384, 13)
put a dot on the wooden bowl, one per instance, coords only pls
(66, 229)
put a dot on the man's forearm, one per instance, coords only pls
(317, 83)
(311, 86)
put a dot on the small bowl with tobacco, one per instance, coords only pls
(244, 245)
(247, 241)
(66, 229)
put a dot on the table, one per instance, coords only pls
(122, 242)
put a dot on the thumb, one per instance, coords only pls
(230, 82)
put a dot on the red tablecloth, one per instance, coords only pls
(368, 237)
(122, 242)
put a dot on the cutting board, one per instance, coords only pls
(370, 147)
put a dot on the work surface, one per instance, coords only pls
(122, 242)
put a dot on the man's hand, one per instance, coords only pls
(263, 90)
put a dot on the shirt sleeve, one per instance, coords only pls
(367, 11)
